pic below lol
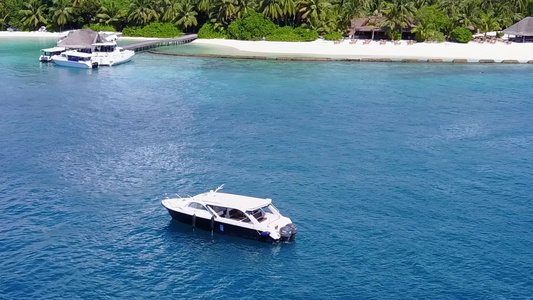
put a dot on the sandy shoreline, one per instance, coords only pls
(447, 52)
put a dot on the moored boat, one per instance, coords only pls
(101, 46)
(75, 59)
(109, 54)
(48, 53)
(248, 217)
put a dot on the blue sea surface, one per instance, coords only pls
(405, 180)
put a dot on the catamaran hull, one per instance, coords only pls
(221, 228)
(113, 60)
(73, 64)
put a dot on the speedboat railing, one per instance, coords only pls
(219, 188)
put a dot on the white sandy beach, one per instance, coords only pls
(447, 52)
(472, 52)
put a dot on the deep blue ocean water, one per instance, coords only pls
(405, 181)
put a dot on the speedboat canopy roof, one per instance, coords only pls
(54, 49)
(243, 203)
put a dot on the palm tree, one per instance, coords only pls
(332, 20)
(242, 7)
(289, 9)
(77, 3)
(110, 13)
(186, 15)
(142, 12)
(519, 5)
(33, 14)
(356, 8)
(169, 10)
(224, 11)
(61, 12)
(313, 11)
(420, 3)
(4, 15)
(468, 13)
(398, 14)
(422, 30)
(487, 22)
(206, 5)
(271, 9)
(506, 16)
(352, 8)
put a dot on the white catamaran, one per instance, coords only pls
(101, 46)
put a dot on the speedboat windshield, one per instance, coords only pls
(261, 214)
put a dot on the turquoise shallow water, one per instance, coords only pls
(406, 181)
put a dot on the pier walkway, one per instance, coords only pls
(146, 45)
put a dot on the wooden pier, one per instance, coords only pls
(147, 45)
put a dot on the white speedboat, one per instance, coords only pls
(75, 59)
(109, 54)
(248, 217)
(48, 53)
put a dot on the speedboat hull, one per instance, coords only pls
(216, 226)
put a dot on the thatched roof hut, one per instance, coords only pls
(80, 39)
(367, 24)
(522, 28)
(373, 26)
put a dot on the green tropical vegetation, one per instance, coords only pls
(461, 35)
(333, 36)
(156, 29)
(282, 20)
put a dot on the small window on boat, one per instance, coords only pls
(237, 215)
(258, 214)
(267, 209)
(230, 213)
(196, 205)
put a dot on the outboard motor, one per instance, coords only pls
(288, 232)
(95, 65)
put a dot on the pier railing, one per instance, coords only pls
(147, 45)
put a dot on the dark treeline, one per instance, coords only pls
(324, 16)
